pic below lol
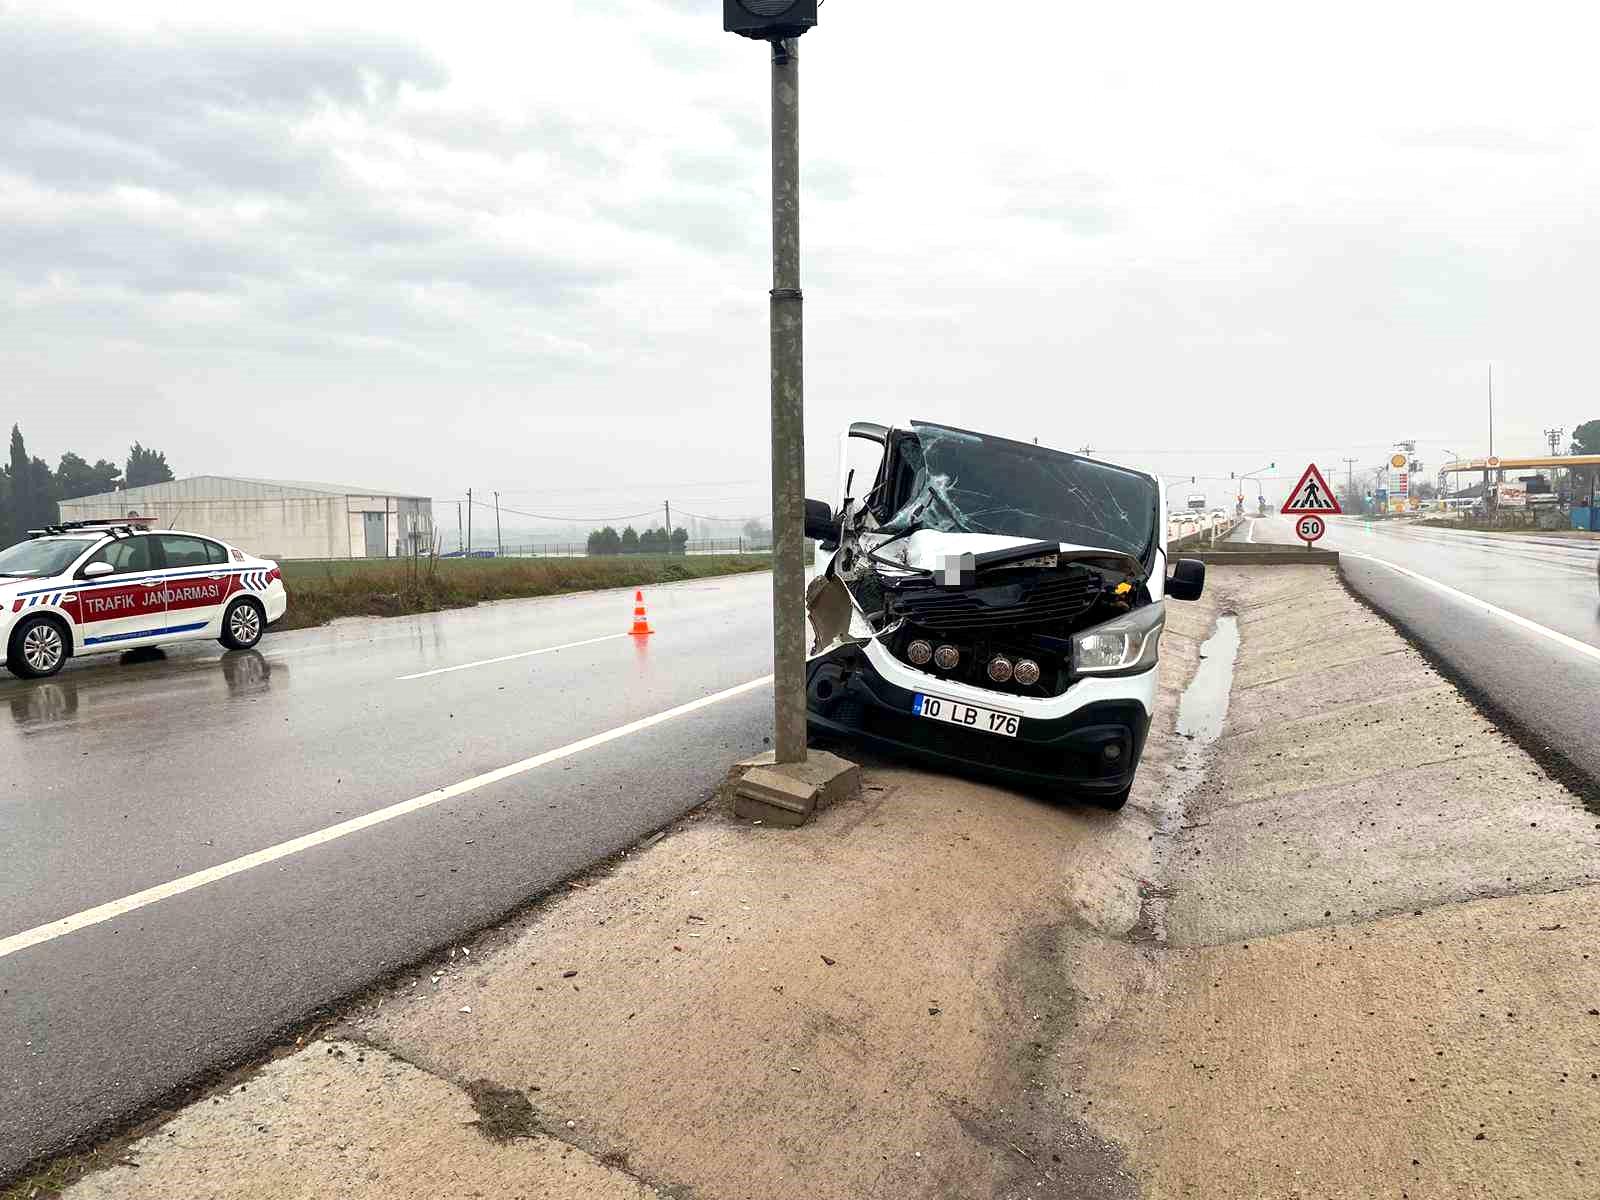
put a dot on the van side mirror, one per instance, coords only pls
(96, 570)
(820, 525)
(1188, 579)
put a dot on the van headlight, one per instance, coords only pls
(1121, 646)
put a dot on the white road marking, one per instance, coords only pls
(1250, 531)
(1571, 643)
(199, 879)
(484, 662)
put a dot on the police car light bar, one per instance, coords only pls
(118, 525)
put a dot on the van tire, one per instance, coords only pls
(39, 629)
(243, 624)
(1114, 801)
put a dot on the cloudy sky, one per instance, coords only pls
(524, 247)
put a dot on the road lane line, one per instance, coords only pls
(1250, 532)
(1571, 643)
(199, 879)
(484, 662)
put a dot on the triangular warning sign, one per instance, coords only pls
(1311, 495)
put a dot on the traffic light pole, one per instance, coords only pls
(788, 414)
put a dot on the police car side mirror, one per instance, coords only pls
(96, 569)
(1188, 579)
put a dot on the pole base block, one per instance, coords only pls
(790, 794)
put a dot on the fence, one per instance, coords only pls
(581, 550)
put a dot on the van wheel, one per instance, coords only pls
(242, 625)
(38, 648)
(1114, 801)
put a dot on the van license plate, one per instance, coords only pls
(968, 716)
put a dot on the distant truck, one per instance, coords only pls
(1197, 503)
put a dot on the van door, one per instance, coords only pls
(128, 607)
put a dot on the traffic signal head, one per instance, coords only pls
(769, 20)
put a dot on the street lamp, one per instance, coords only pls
(789, 789)
(1261, 496)
(769, 20)
(781, 22)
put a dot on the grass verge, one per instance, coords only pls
(320, 592)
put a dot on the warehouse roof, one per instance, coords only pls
(235, 487)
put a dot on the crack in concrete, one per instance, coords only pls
(1388, 912)
(505, 1114)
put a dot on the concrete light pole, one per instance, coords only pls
(788, 414)
(791, 788)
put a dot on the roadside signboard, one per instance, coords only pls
(1494, 462)
(1398, 462)
(1311, 495)
(1512, 495)
(1309, 528)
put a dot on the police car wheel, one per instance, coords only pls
(38, 648)
(242, 625)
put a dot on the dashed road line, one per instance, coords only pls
(485, 662)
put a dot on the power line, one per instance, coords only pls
(704, 517)
(565, 517)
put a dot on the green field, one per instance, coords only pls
(319, 592)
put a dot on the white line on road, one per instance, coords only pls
(199, 879)
(1250, 531)
(1571, 643)
(485, 662)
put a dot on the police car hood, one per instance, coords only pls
(927, 549)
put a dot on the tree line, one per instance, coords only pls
(30, 490)
(631, 541)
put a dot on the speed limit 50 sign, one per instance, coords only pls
(1309, 528)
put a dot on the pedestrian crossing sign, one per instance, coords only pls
(1311, 495)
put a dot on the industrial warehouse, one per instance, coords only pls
(273, 518)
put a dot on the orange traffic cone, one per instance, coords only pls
(640, 625)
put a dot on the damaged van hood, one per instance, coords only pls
(927, 550)
(986, 546)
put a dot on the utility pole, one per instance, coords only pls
(1350, 480)
(668, 503)
(1486, 506)
(788, 414)
(789, 790)
(461, 541)
(468, 552)
(1554, 436)
(499, 546)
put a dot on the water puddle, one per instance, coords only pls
(1204, 705)
(1202, 712)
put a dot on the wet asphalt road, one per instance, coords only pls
(123, 776)
(1544, 685)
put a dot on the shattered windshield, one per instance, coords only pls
(958, 482)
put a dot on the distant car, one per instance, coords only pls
(93, 587)
(1221, 514)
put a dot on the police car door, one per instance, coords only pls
(196, 580)
(127, 607)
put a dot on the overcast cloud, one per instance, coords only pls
(427, 248)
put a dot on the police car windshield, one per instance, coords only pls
(41, 557)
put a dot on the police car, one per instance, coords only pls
(95, 587)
